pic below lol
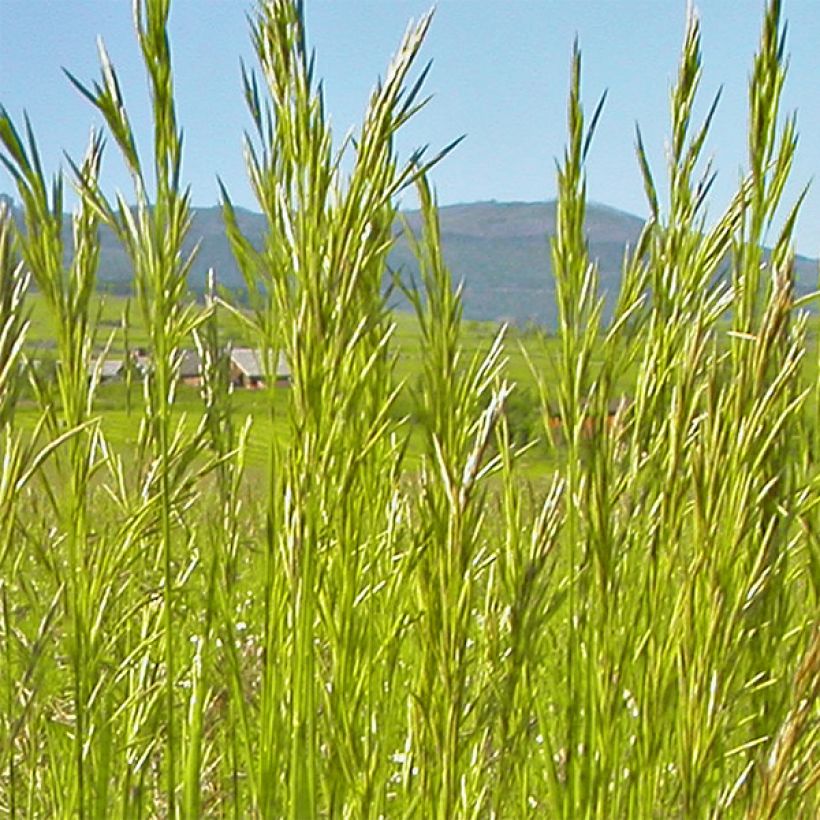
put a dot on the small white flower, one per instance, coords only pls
(631, 703)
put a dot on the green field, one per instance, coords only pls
(525, 352)
(529, 355)
(434, 579)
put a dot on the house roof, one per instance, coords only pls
(191, 364)
(283, 366)
(249, 361)
(111, 368)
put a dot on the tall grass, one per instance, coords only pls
(354, 634)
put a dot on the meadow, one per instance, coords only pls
(118, 401)
(397, 587)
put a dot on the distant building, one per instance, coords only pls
(105, 371)
(619, 406)
(190, 368)
(141, 360)
(110, 370)
(591, 425)
(247, 370)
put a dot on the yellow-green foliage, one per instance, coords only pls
(346, 598)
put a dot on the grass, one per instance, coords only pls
(375, 601)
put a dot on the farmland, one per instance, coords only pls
(525, 351)
(365, 594)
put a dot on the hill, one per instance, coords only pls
(500, 250)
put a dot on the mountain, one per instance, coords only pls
(500, 250)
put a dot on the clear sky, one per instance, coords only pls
(500, 76)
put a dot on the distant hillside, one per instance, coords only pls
(500, 251)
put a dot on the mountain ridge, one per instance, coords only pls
(499, 250)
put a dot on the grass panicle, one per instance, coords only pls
(421, 580)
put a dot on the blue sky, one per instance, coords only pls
(500, 75)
